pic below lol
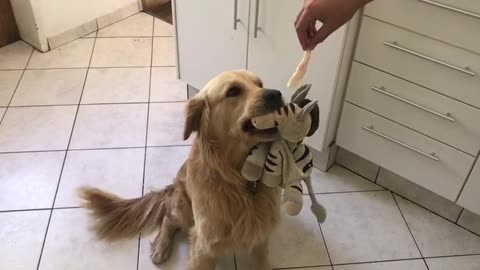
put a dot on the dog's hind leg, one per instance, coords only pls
(161, 247)
(260, 257)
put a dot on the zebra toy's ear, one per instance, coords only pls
(301, 93)
(307, 109)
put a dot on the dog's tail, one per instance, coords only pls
(117, 218)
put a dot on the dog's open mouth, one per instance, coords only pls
(251, 129)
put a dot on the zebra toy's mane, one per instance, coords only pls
(287, 161)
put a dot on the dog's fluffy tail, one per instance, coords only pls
(117, 218)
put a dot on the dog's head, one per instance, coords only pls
(225, 107)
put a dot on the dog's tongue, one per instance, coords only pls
(265, 121)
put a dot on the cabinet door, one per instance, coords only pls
(275, 53)
(207, 42)
(470, 196)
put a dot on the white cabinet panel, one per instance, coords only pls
(470, 197)
(208, 44)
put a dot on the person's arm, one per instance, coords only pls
(332, 13)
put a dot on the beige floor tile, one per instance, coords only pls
(75, 54)
(165, 127)
(163, 29)
(454, 263)
(119, 171)
(364, 227)
(110, 126)
(166, 86)
(122, 52)
(15, 55)
(297, 242)
(138, 25)
(36, 128)
(8, 83)
(29, 180)
(164, 51)
(70, 244)
(2, 112)
(436, 236)
(338, 179)
(162, 165)
(398, 265)
(116, 85)
(50, 87)
(179, 257)
(22, 236)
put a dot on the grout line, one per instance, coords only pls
(40, 209)
(376, 176)
(409, 230)
(353, 191)
(325, 243)
(354, 172)
(64, 161)
(16, 87)
(459, 216)
(146, 133)
(91, 104)
(93, 67)
(98, 148)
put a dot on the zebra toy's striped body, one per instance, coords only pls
(287, 162)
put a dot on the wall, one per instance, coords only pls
(39, 20)
(58, 16)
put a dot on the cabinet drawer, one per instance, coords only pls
(470, 196)
(429, 163)
(430, 113)
(430, 63)
(453, 21)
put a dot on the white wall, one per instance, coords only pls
(38, 20)
(58, 16)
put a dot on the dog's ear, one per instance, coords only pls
(194, 112)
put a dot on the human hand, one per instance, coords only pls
(332, 13)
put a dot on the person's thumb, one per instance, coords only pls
(321, 35)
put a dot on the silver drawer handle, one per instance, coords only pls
(459, 10)
(236, 20)
(396, 46)
(370, 129)
(256, 27)
(382, 90)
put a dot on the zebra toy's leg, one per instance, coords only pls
(317, 209)
(292, 200)
(252, 169)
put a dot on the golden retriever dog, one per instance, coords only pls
(209, 199)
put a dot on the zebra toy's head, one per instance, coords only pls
(300, 118)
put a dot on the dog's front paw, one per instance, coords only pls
(160, 253)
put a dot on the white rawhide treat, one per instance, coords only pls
(297, 77)
(265, 121)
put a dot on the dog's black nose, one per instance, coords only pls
(271, 95)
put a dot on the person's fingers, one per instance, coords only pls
(312, 30)
(298, 16)
(302, 26)
(321, 35)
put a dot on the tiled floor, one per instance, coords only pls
(106, 110)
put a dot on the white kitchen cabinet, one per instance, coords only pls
(207, 42)
(265, 42)
(470, 197)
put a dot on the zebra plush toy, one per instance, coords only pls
(287, 161)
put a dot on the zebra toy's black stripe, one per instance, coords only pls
(305, 154)
(292, 107)
(307, 167)
(268, 169)
(271, 162)
(298, 188)
(285, 109)
(272, 155)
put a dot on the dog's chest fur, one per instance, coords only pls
(228, 214)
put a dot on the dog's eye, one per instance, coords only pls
(234, 91)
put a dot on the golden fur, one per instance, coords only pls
(209, 199)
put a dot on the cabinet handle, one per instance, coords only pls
(459, 10)
(236, 20)
(257, 9)
(382, 90)
(371, 130)
(426, 57)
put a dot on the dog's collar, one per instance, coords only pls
(252, 186)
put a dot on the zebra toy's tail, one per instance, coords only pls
(317, 209)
